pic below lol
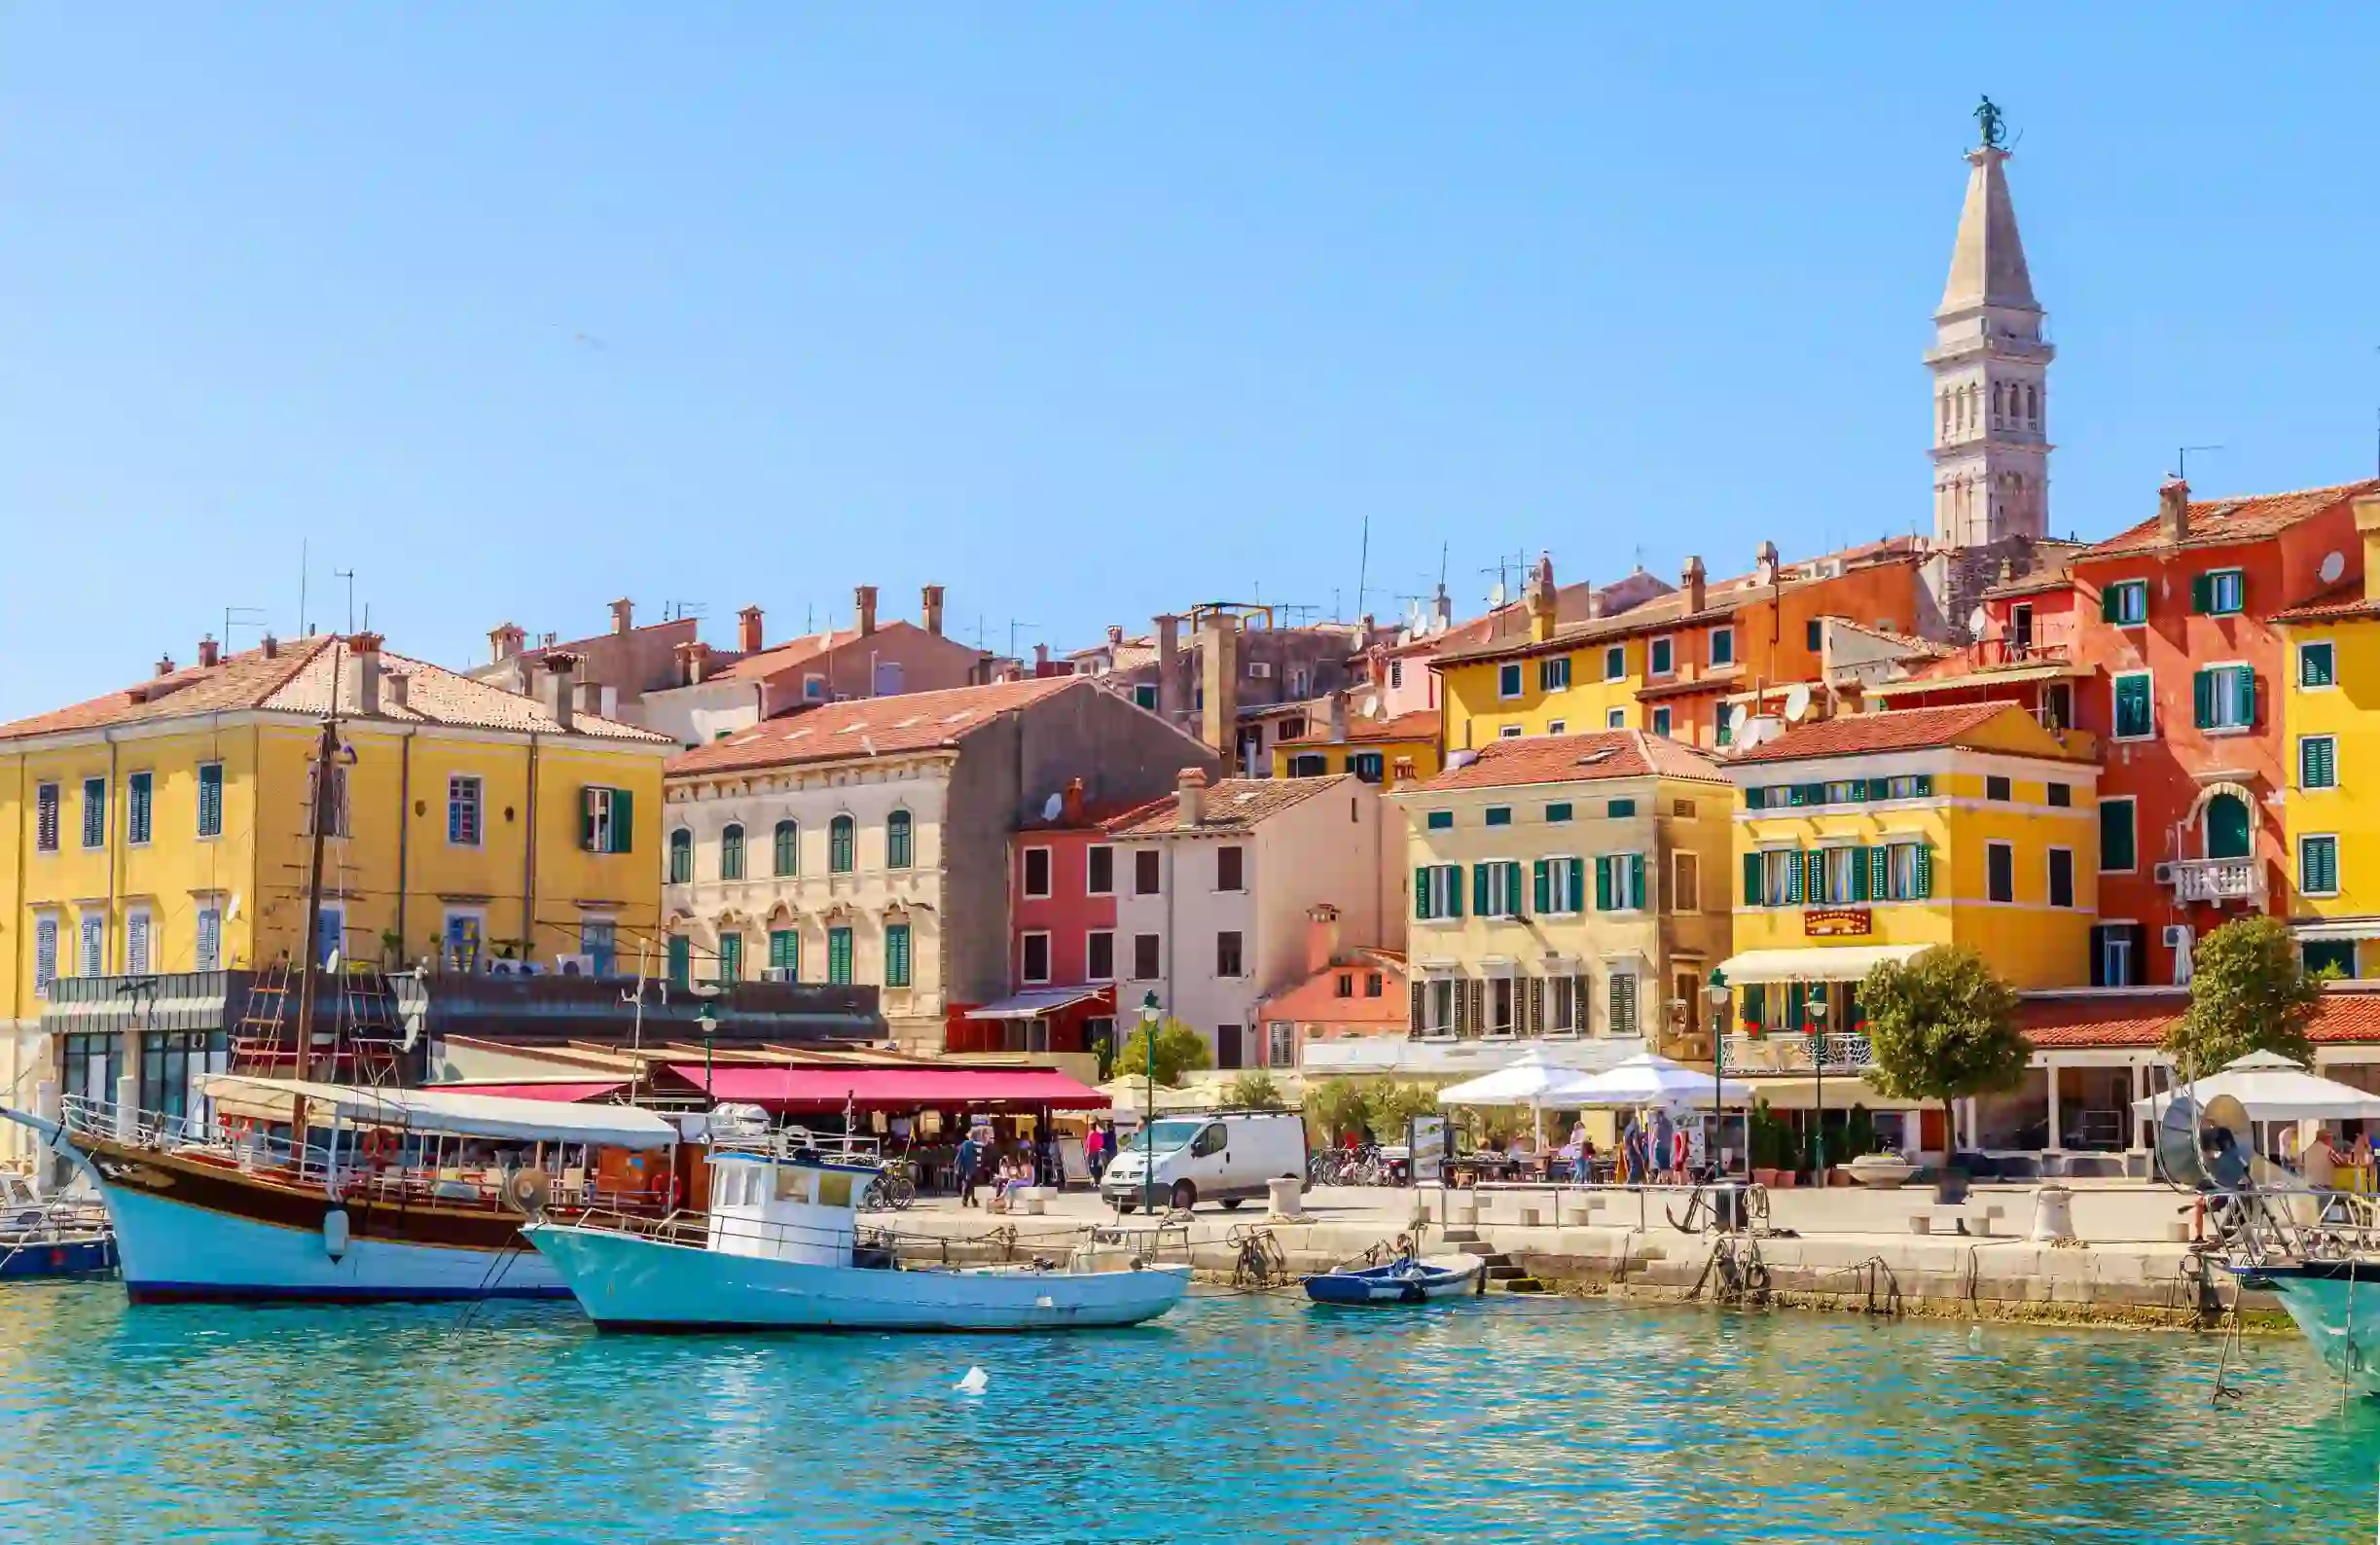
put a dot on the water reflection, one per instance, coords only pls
(1239, 1419)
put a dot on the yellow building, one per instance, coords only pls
(166, 827)
(1565, 888)
(1369, 748)
(1871, 837)
(2331, 716)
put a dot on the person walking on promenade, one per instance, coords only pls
(970, 1155)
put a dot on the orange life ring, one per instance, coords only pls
(380, 1147)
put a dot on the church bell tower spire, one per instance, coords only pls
(1989, 364)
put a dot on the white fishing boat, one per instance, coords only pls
(779, 1248)
(290, 1190)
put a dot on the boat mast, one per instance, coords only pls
(325, 757)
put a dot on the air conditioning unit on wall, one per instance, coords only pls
(1260, 669)
(574, 965)
(2162, 875)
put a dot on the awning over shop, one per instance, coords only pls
(2348, 928)
(1845, 963)
(558, 1092)
(830, 1088)
(1034, 1002)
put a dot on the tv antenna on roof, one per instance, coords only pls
(2181, 460)
(242, 617)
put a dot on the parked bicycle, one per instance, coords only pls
(1348, 1166)
(892, 1190)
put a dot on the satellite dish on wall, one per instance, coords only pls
(1975, 620)
(2334, 564)
(1796, 702)
(1737, 718)
(1051, 807)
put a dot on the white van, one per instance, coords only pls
(1225, 1156)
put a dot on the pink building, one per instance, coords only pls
(1062, 947)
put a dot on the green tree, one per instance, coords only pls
(1335, 1107)
(1943, 1026)
(1252, 1090)
(1179, 1049)
(2248, 993)
(1389, 1106)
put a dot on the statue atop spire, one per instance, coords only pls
(1995, 126)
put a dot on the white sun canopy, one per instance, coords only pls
(1650, 1079)
(439, 1112)
(2272, 1087)
(1529, 1079)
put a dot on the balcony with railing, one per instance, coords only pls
(2216, 878)
(1843, 1052)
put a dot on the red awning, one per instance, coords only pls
(894, 1087)
(561, 1094)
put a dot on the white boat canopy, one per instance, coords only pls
(1651, 1079)
(441, 1111)
(2272, 1087)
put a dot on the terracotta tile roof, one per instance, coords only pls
(1096, 814)
(1577, 759)
(779, 658)
(302, 678)
(2223, 523)
(1858, 733)
(2340, 603)
(1725, 679)
(1419, 725)
(2347, 1015)
(1232, 804)
(862, 726)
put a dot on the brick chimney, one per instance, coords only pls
(2173, 512)
(693, 659)
(165, 665)
(560, 687)
(1071, 805)
(1041, 661)
(362, 669)
(504, 641)
(748, 630)
(210, 653)
(1115, 637)
(1338, 718)
(1189, 798)
(623, 615)
(1538, 594)
(1695, 586)
(1321, 938)
(864, 598)
(931, 609)
(1402, 774)
(1764, 565)
(1169, 668)
(272, 647)
(1219, 687)
(1595, 600)
(398, 685)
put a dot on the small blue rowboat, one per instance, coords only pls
(1403, 1280)
(65, 1255)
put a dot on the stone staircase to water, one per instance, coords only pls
(1504, 1275)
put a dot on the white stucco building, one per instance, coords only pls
(1214, 882)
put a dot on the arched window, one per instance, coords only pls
(2227, 828)
(731, 853)
(841, 845)
(788, 848)
(896, 840)
(681, 856)
(2033, 407)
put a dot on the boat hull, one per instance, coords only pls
(630, 1283)
(2336, 1305)
(193, 1233)
(1384, 1284)
(90, 1255)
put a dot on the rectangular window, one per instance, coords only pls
(1509, 731)
(1996, 788)
(1495, 889)
(2218, 592)
(462, 941)
(1145, 881)
(1036, 958)
(1231, 867)
(1100, 866)
(1813, 634)
(1508, 680)
(1615, 662)
(94, 954)
(1836, 877)
(1620, 810)
(1662, 657)
(1557, 814)
(730, 958)
(463, 811)
(599, 942)
(1396, 672)
(1615, 718)
(2317, 762)
(210, 799)
(44, 955)
(1722, 646)
(1556, 727)
(896, 954)
(1500, 1001)
(1036, 874)
(1439, 820)
(1623, 1004)
(2317, 666)
(1281, 1036)
(608, 822)
(136, 942)
(1500, 815)
(1560, 884)
(1619, 882)
(1554, 675)
(1227, 953)
(838, 956)
(1100, 955)
(2061, 876)
(1146, 963)
(2000, 871)
(1437, 891)
(681, 961)
(2119, 847)
(1373, 984)
(1661, 721)
(1686, 881)
(2134, 718)
(2061, 796)
(207, 952)
(1438, 1007)
(2224, 697)
(2317, 866)
(1564, 1006)
(1369, 766)
(2125, 603)
(95, 813)
(785, 954)
(1145, 695)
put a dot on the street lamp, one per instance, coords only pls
(706, 994)
(1817, 1010)
(1720, 995)
(1150, 1014)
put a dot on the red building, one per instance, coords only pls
(1062, 947)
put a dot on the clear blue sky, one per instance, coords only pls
(1092, 312)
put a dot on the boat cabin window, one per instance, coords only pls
(1210, 1141)
(793, 1185)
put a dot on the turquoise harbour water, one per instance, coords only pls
(1236, 1418)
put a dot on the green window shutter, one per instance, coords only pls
(1797, 794)
(784, 949)
(1813, 875)
(2202, 698)
(2202, 594)
(896, 955)
(1752, 879)
(1925, 785)
(1635, 880)
(1924, 885)
(1753, 796)
(2330, 763)
(681, 960)
(2315, 664)
(1479, 890)
(1454, 891)
(1542, 884)
(2247, 690)
(1602, 884)
(2107, 604)
(1797, 1006)
(586, 819)
(1579, 881)
(1858, 876)
(1421, 893)
(1793, 880)
(623, 821)
(1879, 874)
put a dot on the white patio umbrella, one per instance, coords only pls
(1531, 1079)
(1651, 1079)
(2272, 1087)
